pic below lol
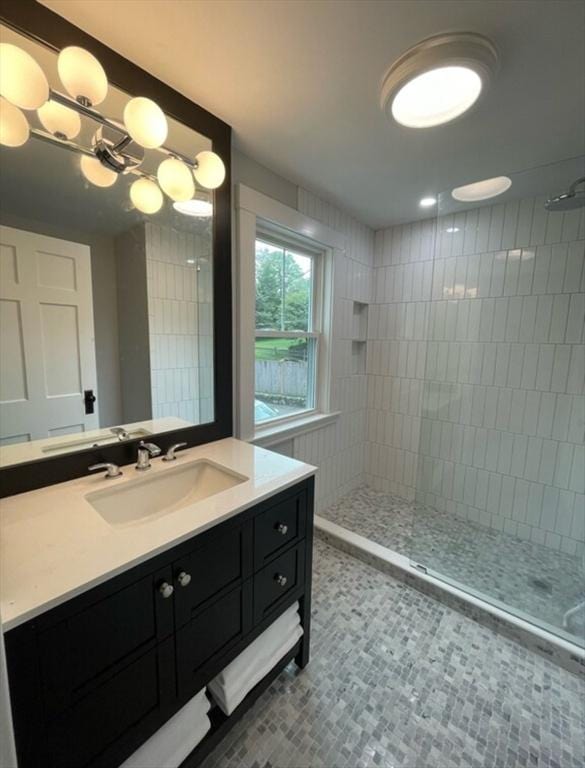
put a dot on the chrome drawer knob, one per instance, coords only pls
(184, 578)
(166, 589)
(280, 580)
(282, 528)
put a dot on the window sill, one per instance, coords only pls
(267, 436)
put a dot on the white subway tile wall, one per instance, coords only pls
(476, 369)
(338, 449)
(179, 287)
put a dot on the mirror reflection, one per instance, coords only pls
(106, 276)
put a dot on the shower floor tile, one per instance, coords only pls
(528, 577)
(398, 679)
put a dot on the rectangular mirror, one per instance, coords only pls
(106, 311)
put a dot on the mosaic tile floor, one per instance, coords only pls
(531, 578)
(400, 680)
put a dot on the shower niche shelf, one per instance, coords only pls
(358, 357)
(359, 328)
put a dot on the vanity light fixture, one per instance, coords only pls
(117, 148)
(146, 122)
(176, 179)
(482, 190)
(452, 230)
(146, 195)
(58, 120)
(428, 202)
(22, 81)
(96, 173)
(14, 130)
(82, 75)
(438, 79)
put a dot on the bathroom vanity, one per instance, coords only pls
(114, 621)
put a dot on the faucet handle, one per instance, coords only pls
(112, 470)
(170, 454)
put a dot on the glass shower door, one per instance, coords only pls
(500, 481)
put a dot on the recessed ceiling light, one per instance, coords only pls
(482, 190)
(438, 79)
(194, 207)
(427, 202)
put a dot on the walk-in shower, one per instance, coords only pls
(475, 453)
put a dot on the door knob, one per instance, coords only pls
(184, 578)
(282, 528)
(166, 589)
(280, 580)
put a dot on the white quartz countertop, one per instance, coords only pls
(54, 545)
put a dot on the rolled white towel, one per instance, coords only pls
(261, 649)
(229, 697)
(170, 745)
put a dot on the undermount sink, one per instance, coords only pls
(147, 498)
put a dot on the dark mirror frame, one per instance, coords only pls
(39, 23)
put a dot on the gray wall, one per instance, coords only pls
(105, 307)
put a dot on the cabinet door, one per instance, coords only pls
(210, 570)
(78, 653)
(107, 725)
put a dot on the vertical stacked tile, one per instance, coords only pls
(179, 285)
(338, 449)
(476, 368)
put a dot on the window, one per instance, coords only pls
(288, 307)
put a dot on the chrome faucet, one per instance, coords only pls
(120, 433)
(145, 451)
(112, 470)
(170, 455)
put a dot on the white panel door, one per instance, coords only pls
(47, 352)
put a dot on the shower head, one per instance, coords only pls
(568, 200)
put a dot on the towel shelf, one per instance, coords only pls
(95, 677)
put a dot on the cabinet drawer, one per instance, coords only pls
(205, 639)
(77, 652)
(216, 566)
(278, 581)
(278, 527)
(106, 726)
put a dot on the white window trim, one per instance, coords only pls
(257, 212)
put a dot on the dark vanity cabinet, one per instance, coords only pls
(93, 678)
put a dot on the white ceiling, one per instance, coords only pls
(299, 82)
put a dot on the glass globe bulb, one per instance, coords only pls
(176, 179)
(82, 75)
(210, 171)
(14, 130)
(59, 120)
(96, 173)
(145, 122)
(22, 81)
(146, 196)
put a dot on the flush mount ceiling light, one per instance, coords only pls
(428, 202)
(116, 148)
(199, 208)
(482, 190)
(438, 79)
